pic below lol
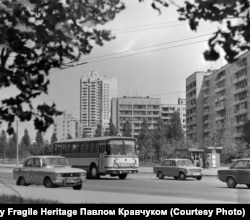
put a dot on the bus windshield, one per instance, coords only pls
(116, 147)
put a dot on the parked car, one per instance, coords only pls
(178, 168)
(238, 173)
(50, 171)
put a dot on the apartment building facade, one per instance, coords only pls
(96, 92)
(223, 102)
(65, 125)
(168, 109)
(134, 110)
(194, 106)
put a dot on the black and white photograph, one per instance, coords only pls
(125, 102)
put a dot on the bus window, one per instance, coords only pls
(130, 148)
(116, 147)
(93, 148)
(101, 147)
(84, 147)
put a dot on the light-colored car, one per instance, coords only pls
(238, 173)
(50, 171)
(178, 168)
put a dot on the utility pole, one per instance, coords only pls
(17, 150)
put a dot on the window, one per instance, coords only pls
(29, 163)
(166, 163)
(243, 164)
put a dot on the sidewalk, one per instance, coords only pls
(149, 170)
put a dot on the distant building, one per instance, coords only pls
(134, 110)
(65, 125)
(168, 109)
(96, 92)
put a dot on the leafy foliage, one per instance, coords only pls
(53, 139)
(233, 35)
(25, 145)
(36, 36)
(3, 144)
(127, 129)
(98, 131)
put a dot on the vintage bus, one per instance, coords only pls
(99, 156)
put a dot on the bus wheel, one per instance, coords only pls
(122, 176)
(93, 172)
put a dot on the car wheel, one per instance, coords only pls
(77, 187)
(93, 172)
(160, 175)
(48, 183)
(21, 182)
(231, 182)
(122, 176)
(182, 176)
(199, 177)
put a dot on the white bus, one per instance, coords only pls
(100, 156)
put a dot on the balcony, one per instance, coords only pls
(238, 135)
(240, 101)
(240, 123)
(217, 90)
(220, 117)
(239, 79)
(219, 108)
(219, 79)
(239, 90)
(222, 97)
(241, 112)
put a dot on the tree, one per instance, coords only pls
(159, 137)
(69, 136)
(175, 127)
(84, 134)
(37, 36)
(145, 142)
(12, 146)
(111, 131)
(39, 146)
(98, 131)
(127, 130)
(3, 144)
(53, 139)
(25, 145)
(233, 36)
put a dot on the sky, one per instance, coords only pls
(152, 55)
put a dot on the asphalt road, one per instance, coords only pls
(139, 188)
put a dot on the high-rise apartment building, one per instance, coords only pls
(222, 104)
(194, 105)
(96, 93)
(134, 110)
(168, 109)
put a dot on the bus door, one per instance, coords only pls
(102, 153)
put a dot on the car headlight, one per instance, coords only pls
(58, 175)
(82, 174)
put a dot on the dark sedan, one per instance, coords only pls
(238, 173)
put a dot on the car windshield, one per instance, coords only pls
(182, 163)
(55, 161)
(118, 147)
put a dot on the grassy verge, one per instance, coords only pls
(12, 199)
